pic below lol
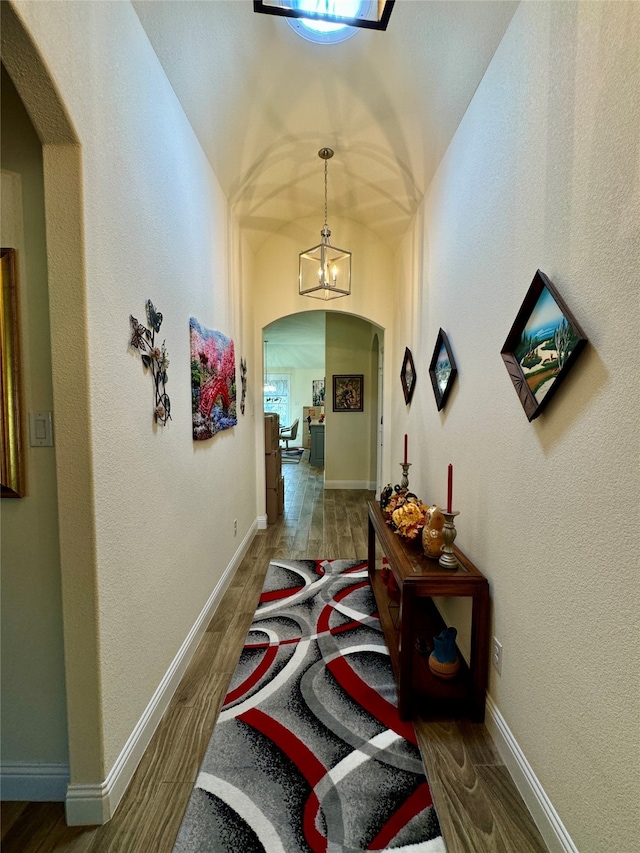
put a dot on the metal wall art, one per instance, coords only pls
(442, 369)
(542, 346)
(213, 381)
(408, 376)
(154, 358)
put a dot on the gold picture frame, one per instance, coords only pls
(12, 472)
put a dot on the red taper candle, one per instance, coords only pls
(450, 489)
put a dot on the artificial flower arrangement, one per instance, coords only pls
(404, 512)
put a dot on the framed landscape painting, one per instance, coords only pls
(348, 393)
(442, 369)
(542, 346)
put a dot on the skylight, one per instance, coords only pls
(325, 32)
(327, 21)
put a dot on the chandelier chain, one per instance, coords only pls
(326, 224)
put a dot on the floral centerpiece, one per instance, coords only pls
(406, 514)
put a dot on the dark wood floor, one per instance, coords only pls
(478, 805)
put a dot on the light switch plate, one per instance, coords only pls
(40, 429)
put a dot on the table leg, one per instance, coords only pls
(479, 652)
(371, 552)
(407, 642)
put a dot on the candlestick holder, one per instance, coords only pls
(448, 560)
(404, 481)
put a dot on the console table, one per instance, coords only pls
(410, 617)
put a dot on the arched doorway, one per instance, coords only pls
(321, 345)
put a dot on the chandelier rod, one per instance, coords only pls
(326, 154)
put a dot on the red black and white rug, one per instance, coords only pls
(309, 754)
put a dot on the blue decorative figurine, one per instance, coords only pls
(444, 661)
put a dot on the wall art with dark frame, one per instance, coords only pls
(348, 392)
(408, 376)
(542, 346)
(12, 471)
(442, 369)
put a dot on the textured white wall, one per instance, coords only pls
(155, 226)
(543, 172)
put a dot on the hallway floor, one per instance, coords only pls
(478, 805)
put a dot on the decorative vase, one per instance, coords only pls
(432, 540)
(444, 662)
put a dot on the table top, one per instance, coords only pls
(410, 560)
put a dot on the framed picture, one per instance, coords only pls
(542, 346)
(12, 473)
(442, 369)
(317, 392)
(408, 376)
(348, 393)
(213, 381)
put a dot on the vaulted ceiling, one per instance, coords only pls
(262, 102)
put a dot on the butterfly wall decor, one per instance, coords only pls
(154, 358)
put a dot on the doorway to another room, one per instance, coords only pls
(309, 358)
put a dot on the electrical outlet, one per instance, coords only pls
(235, 526)
(497, 655)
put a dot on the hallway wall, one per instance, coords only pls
(543, 173)
(146, 514)
(349, 453)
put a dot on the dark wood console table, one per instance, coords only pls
(414, 616)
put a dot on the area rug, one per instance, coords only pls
(309, 754)
(294, 455)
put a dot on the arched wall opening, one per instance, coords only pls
(331, 347)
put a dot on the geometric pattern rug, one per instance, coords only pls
(309, 754)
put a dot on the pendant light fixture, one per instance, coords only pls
(325, 270)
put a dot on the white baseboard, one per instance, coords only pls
(350, 484)
(542, 811)
(89, 805)
(34, 783)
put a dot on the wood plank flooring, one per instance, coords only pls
(478, 805)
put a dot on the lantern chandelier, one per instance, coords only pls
(325, 270)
